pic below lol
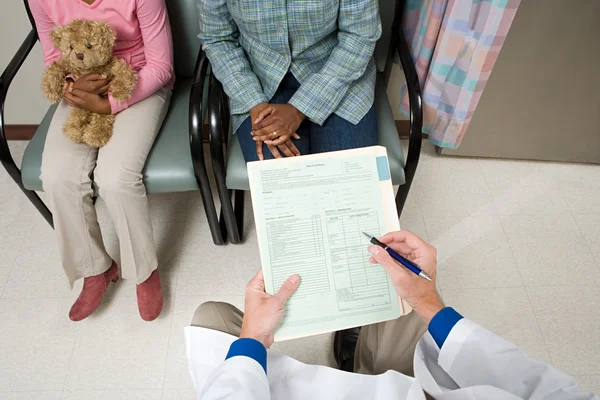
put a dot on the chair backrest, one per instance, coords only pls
(387, 8)
(183, 15)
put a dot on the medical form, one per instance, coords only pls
(310, 213)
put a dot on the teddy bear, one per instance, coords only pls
(87, 47)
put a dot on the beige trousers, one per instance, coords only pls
(66, 174)
(381, 347)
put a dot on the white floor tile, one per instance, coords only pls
(115, 348)
(12, 238)
(195, 210)
(168, 207)
(589, 225)
(505, 311)
(449, 186)
(519, 187)
(550, 250)
(179, 394)
(113, 395)
(579, 185)
(38, 395)
(39, 274)
(452, 195)
(225, 270)
(177, 375)
(569, 319)
(196, 237)
(591, 383)
(415, 224)
(37, 343)
(473, 252)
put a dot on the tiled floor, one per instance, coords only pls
(518, 248)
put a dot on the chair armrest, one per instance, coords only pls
(218, 125)
(197, 112)
(5, 80)
(414, 95)
(198, 104)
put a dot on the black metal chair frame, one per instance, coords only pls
(218, 113)
(195, 132)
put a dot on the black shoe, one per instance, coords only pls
(344, 344)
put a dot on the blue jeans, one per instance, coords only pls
(335, 134)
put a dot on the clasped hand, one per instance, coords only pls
(276, 125)
(89, 92)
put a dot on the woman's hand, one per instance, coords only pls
(88, 101)
(419, 293)
(263, 312)
(287, 147)
(276, 123)
(256, 111)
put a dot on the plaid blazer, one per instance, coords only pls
(326, 44)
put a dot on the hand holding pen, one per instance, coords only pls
(419, 292)
(411, 266)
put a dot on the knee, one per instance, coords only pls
(59, 178)
(116, 181)
(206, 313)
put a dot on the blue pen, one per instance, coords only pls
(402, 260)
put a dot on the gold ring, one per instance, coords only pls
(275, 135)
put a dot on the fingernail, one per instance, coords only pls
(255, 139)
(104, 76)
(294, 279)
(374, 250)
(252, 133)
(70, 89)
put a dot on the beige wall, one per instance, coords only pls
(542, 100)
(25, 104)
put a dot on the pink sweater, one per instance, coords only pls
(143, 37)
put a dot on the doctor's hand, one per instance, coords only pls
(263, 312)
(419, 293)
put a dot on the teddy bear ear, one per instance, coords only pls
(107, 34)
(57, 35)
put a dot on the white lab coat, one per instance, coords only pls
(474, 363)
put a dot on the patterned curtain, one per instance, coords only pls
(455, 44)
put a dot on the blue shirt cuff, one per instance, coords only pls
(247, 347)
(442, 323)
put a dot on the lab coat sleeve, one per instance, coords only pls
(239, 378)
(474, 356)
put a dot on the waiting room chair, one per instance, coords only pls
(176, 161)
(232, 176)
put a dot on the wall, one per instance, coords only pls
(542, 101)
(25, 103)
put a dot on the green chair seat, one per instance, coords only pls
(237, 174)
(169, 166)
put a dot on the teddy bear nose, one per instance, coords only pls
(79, 56)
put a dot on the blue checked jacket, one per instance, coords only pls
(326, 44)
